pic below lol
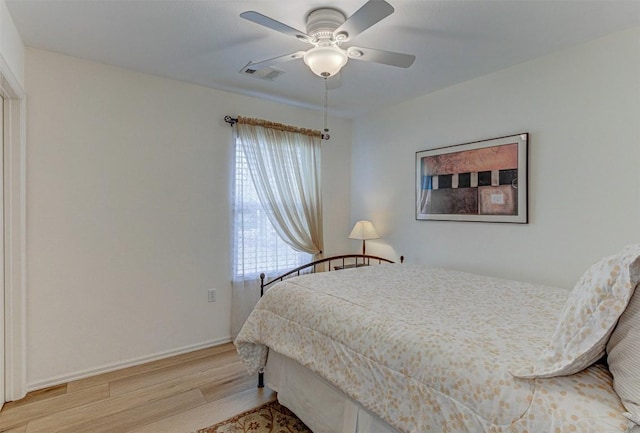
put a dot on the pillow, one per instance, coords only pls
(589, 316)
(623, 352)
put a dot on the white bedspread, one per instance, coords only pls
(430, 350)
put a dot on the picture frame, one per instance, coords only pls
(483, 181)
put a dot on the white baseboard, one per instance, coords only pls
(124, 364)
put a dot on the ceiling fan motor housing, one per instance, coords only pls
(322, 22)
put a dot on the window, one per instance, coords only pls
(258, 248)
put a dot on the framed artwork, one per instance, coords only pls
(481, 181)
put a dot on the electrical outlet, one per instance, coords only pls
(212, 295)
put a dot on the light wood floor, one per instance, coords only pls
(174, 395)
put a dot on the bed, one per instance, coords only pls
(406, 348)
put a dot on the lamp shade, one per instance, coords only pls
(363, 230)
(325, 61)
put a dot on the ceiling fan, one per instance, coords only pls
(327, 29)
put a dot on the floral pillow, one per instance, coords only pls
(589, 316)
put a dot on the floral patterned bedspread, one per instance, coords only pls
(431, 350)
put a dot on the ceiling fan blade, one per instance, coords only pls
(369, 14)
(270, 62)
(379, 56)
(265, 21)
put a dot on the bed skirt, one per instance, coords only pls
(318, 404)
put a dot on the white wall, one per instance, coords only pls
(582, 109)
(128, 213)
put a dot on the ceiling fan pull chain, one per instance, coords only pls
(325, 133)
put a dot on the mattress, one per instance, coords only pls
(431, 350)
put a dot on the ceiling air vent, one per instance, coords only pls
(269, 74)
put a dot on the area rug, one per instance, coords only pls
(268, 418)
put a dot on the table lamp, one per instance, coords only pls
(363, 230)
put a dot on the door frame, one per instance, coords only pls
(15, 275)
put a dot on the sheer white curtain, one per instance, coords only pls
(280, 166)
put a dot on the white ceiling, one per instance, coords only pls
(207, 43)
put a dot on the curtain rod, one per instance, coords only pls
(233, 120)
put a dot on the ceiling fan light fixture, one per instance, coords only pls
(325, 61)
